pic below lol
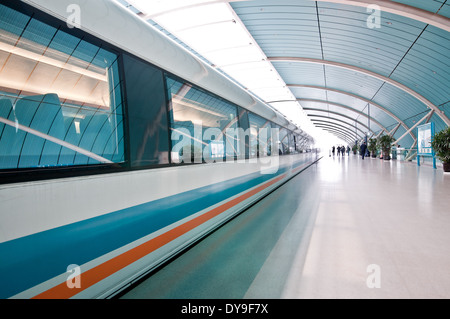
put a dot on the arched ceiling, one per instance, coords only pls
(336, 60)
(356, 67)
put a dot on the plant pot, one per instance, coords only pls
(446, 167)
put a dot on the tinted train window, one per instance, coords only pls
(260, 142)
(284, 141)
(244, 138)
(60, 97)
(301, 141)
(203, 127)
(147, 113)
(291, 143)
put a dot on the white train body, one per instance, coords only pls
(76, 222)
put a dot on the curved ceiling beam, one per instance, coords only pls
(321, 117)
(337, 133)
(346, 139)
(342, 106)
(319, 124)
(383, 78)
(340, 129)
(400, 9)
(359, 98)
(336, 119)
(342, 137)
(337, 113)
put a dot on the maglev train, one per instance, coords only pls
(119, 149)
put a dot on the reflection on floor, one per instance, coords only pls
(382, 231)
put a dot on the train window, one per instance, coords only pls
(284, 141)
(147, 113)
(60, 97)
(300, 141)
(204, 128)
(291, 143)
(260, 141)
(244, 138)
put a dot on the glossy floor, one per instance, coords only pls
(344, 228)
(380, 224)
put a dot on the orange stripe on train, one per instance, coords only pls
(102, 271)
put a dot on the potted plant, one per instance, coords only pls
(385, 144)
(373, 148)
(441, 146)
(355, 148)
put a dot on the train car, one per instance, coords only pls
(119, 149)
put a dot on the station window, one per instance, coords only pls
(60, 97)
(204, 128)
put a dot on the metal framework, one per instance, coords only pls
(334, 118)
(326, 119)
(401, 9)
(342, 106)
(342, 129)
(350, 139)
(396, 118)
(399, 85)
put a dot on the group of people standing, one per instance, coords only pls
(340, 150)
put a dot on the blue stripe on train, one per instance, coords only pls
(33, 259)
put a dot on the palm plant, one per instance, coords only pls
(441, 146)
(385, 144)
(373, 147)
(355, 148)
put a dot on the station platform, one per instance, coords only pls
(343, 228)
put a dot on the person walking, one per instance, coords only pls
(363, 150)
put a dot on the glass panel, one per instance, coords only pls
(147, 113)
(60, 102)
(284, 141)
(261, 135)
(244, 137)
(36, 37)
(13, 24)
(291, 143)
(204, 127)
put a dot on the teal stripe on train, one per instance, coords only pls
(31, 260)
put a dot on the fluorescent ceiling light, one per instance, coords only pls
(153, 8)
(100, 75)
